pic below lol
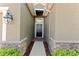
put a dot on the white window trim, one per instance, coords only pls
(4, 10)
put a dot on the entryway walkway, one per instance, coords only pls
(38, 49)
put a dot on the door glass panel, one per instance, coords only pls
(39, 30)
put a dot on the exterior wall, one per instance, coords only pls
(67, 22)
(67, 25)
(13, 29)
(51, 40)
(50, 28)
(20, 31)
(46, 26)
(63, 27)
(26, 27)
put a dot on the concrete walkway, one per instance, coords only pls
(38, 49)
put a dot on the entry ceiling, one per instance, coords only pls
(46, 7)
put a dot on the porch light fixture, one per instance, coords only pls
(8, 17)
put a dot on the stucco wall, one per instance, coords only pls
(67, 22)
(26, 23)
(63, 24)
(20, 31)
(26, 27)
(51, 39)
(13, 29)
(50, 28)
(46, 26)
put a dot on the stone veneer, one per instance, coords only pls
(18, 45)
(23, 47)
(10, 45)
(63, 45)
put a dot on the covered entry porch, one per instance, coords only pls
(59, 30)
(25, 29)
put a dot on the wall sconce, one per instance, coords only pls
(8, 17)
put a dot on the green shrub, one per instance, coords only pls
(65, 52)
(9, 52)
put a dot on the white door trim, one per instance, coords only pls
(42, 28)
(35, 30)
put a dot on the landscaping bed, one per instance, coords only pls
(9, 52)
(65, 52)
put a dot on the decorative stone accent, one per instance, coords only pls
(20, 45)
(10, 45)
(61, 45)
(23, 47)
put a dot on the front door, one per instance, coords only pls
(39, 28)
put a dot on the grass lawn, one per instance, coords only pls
(66, 52)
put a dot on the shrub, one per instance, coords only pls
(65, 52)
(9, 52)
